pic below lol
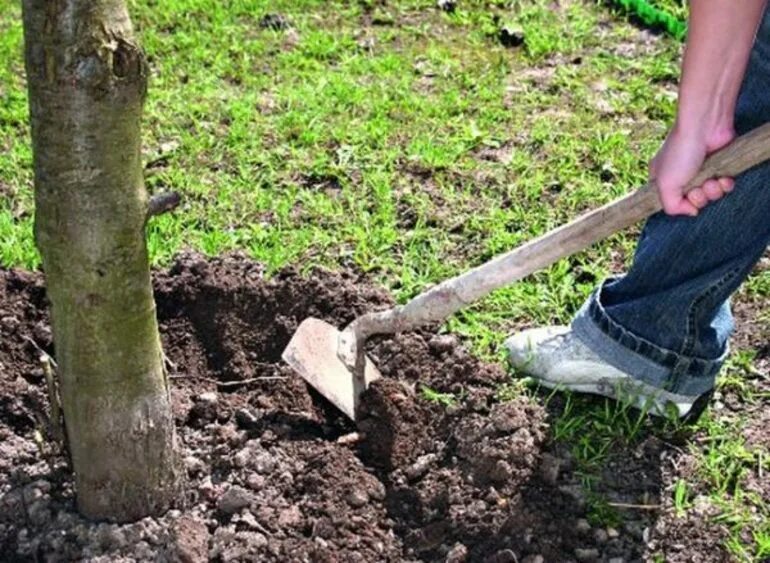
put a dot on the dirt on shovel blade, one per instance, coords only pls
(277, 474)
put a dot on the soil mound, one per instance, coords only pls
(276, 474)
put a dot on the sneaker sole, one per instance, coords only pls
(640, 397)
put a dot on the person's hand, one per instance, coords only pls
(678, 161)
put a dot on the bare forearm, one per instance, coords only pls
(720, 40)
(718, 46)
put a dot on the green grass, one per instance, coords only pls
(725, 462)
(677, 8)
(433, 396)
(408, 144)
(681, 497)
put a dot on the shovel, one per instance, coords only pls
(334, 362)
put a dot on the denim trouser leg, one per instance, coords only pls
(667, 321)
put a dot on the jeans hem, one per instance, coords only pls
(640, 358)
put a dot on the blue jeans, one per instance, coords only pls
(667, 322)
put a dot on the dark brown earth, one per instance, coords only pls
(275, 474)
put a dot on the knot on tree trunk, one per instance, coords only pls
(83, 47)
(113, 65)
(127, 60)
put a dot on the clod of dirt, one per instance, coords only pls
(511, 37)
(443, 343)
(501, 447)
(587, 554)
(191, 538)
(234, 499)
(205, 408)
(394, 424)
(458, 554)
(550, 466)
(276, 22)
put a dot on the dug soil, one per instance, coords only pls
(275, 474)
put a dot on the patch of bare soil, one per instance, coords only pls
(678, 536)
(275, 474)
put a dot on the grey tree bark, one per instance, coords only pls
(87, 80)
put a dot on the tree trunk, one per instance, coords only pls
(87, 80)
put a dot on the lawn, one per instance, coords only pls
(408, 144)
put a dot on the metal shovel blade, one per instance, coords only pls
(312, 353)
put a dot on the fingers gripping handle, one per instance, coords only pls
(743, 153)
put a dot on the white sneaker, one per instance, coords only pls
(557, 359)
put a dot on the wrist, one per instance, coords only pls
(711, 125)
(705, 115)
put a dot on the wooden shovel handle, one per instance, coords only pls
(452, 295)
